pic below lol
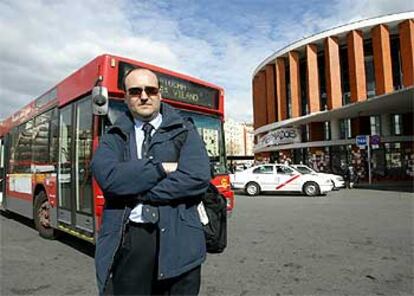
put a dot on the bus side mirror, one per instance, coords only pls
(99, 100)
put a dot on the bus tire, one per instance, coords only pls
(41, 215)
(311, 189)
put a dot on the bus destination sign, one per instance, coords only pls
(178, 89)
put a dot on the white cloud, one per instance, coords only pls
(44, 41)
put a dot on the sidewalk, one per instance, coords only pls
(402, 186)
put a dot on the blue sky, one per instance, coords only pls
(43, 41)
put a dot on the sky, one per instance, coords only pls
(43, 41)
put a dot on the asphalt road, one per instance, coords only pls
(351, 242)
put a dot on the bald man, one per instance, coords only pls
(153, 169)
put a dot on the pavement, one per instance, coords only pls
(399, 186)
(350, 242)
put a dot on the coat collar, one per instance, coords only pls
(170, 119)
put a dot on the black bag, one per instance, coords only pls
(215, 207)
(215, 231)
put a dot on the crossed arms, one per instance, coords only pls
(150, 179)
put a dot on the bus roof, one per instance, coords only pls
(106, 66)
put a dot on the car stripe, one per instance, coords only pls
(288, 181)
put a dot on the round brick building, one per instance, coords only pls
(313, 100)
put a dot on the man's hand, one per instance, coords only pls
(169, 167)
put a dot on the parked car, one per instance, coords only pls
(337, 180)
(279, 178)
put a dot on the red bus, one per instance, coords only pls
(46, 147)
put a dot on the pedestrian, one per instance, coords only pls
(151, 240)
(351, 177)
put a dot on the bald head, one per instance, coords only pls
(138, 70)
(142, 94)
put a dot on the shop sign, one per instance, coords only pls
(279, 136)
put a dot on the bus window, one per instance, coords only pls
(83, 157)
(210, 129)
(41, 145)
(65, 158)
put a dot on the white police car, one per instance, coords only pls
(279, 178)
(337, 180)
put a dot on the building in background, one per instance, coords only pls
(248, 139)
(239, 143)
(239, 138)
(314, 97)
(233, 132)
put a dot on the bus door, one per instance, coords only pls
(74, 178)
(2, 172)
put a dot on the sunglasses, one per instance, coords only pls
(137, 91)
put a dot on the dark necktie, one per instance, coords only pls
(147, 128)
(149, 213)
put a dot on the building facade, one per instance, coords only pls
(239, 138)
(248, 139)
(315, 97)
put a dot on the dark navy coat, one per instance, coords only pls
(126, 181)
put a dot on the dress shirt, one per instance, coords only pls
(136, 213)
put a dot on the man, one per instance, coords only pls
(153, 169)
(351, 177)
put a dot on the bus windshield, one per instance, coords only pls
(209, 127)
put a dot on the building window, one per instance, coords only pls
(339, 159)
(393, 158)
(342, 129)
(375, 122)
(397, 124)
(322, 81)
(346, 91)
(299, 155)
(396, 62)
(345, 128)
(348, 128)
(369, 69)
(327, 130)
(305, 130)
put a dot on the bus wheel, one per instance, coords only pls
(41, 216)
